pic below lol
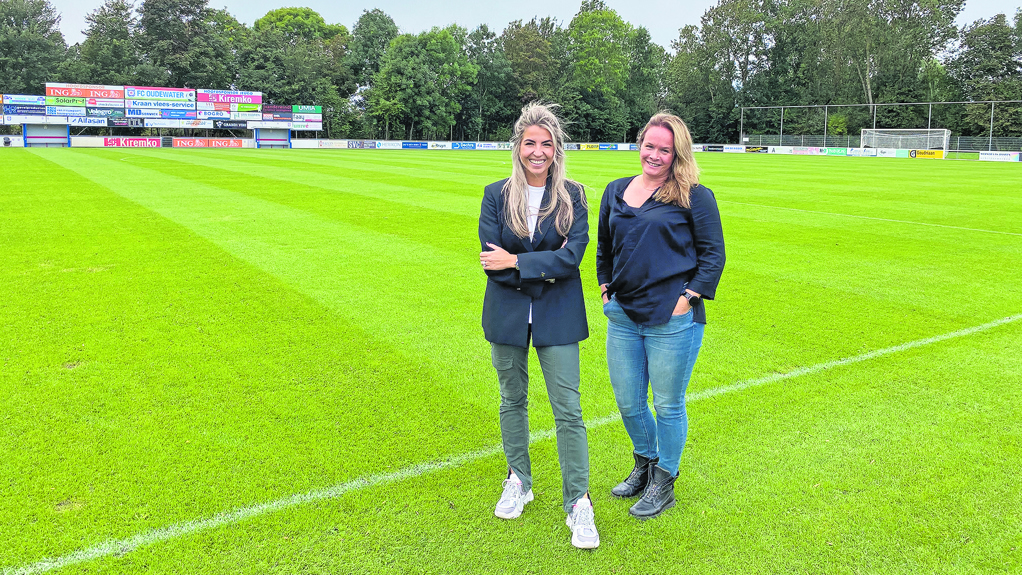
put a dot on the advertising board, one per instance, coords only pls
(12, 142)
(463, 146)
(300, 117)
(782, 150)
(64, 111)
(20, 110)
(62, 101)
(714, 147)
(162, 123)
(230, 125)
(862, 152)
(837, 151)
(178, 114)
(84, 90)
(887, 153)
(588, 147)
(226, 143)
(440, 146)
(414, 145)
(100, 122)
(734, 149)
(757, 149)
(213, 115)
(308, 126)
(269, 125)
(14, 120)
(141, 113)
(191, 142)
(571, 147)
(355, 144)
(159, 105)
(131, 142)
(258, 116)
(277, 108)
(104, 103)
(809, 151)
(331, 144)
(125, 122)
(202, 124)
(608, 146)
(307, 109)
(228, 97)
(698, 147)
(386, 145)
(24, 100)
(277, 116)
(160, 94)
(930, 154)
(999, 156)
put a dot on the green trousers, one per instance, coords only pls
(560, 365)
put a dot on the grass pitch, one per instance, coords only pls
(251, 361)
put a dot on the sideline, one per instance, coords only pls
(118, 547)
(869, 218)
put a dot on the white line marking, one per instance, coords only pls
(120, 547)
(871, 218)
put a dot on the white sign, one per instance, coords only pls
(15, 120)
(439, 145)
(161, 123)
(137, 113)
(781, 150)
(211, 115)
(333, 143)
(278, 125)
(207, 124)
(159, 104)
(64, 111)
(87, 122)
(12, 142)
(103, 103)
(257, 116)
(388, 145)
(25, 100)
(733, 149)
(862, 152)
(999, 156)
(887, 153)
(308, 126)
(308, 117)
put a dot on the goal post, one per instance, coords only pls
(906, 139)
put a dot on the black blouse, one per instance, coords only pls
(649, 255)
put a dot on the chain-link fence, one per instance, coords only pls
(956, 144)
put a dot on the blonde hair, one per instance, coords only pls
(516, 196)
(684, 173)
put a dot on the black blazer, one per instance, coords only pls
(548, 277)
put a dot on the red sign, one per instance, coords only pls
(85, 91)
(190, 142)
(224, 143)
(131, 142)
(207, 143)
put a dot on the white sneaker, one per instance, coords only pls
(512, 501)
(582, 522)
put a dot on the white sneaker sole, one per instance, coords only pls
(517, 510)
(578, 543)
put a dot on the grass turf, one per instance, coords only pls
(192, 332)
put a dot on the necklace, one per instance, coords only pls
(647, 188)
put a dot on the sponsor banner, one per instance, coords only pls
(230, 124)
(62, 101)
(333, 143)
(159, 105)
(24, 100)
(228, 97)
(900, 153)
(247, 116)
(140, 113)
(125, 122)
(269, 125)
(87, 122)
(246, 107)
(463, 146)
(571, 147)
(191, 142)
(104, 103)
(206, 124)
(226, 143)
(162, 94)
(213, 115)
(307, 117)
(414, 145)
(64, 111)
(84, 90)
(862, 152)
(734, 149)
(131, 142)
(20, 110)
(161, 123)
(178, 114)
(308, 126)
(86, 141)
(999, 156)
(13, 120)
(714, 147)
(307, 109)
(887, 153)
(781, 150)
(588, 147)
(351, 144)
(932, 154)
(608, 146)
(211, 107)
(12, 142)
(277, 108)
(698, 148)
(277, 116)
(757, 149)
(440, 146)
(387, 145)
(837, 151)
(809, 151)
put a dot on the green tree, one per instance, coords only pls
(31, 45)
(110, 52)
(988, 66)
(370, 39)
(185, 43)
(528, 50)
(488, 100)
(299, 24)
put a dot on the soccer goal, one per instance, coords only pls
(906, 139)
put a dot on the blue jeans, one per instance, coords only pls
(660, 357)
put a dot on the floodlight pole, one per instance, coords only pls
(990, 144)
(825, 126)
(781, 141)
(929, 117)
(741, 127)
(874, 117)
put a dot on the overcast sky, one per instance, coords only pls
(662, 18)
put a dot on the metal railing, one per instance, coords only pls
(956, 144)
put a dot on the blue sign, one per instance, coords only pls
(463, 146)
(608, 146)
(414, 145)
(178, 114)
(21, 110)
(633, 147)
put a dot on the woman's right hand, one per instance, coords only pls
(682, 307)
(603, 294)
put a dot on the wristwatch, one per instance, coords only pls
(516, 263)
(692, 299)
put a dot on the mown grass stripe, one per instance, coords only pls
(120, 547)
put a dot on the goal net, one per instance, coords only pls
(906, 139)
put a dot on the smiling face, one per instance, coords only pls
(537, 154)
(657, 153)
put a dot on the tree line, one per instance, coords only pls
(608, 75)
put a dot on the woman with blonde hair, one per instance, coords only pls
(660, 253)
(534, 229)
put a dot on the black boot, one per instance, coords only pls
(659, 494)
(635, 483)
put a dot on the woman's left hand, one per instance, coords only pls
(683, 305)
(497, 259)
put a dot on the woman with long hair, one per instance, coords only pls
(660, 254)
(534, 229)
